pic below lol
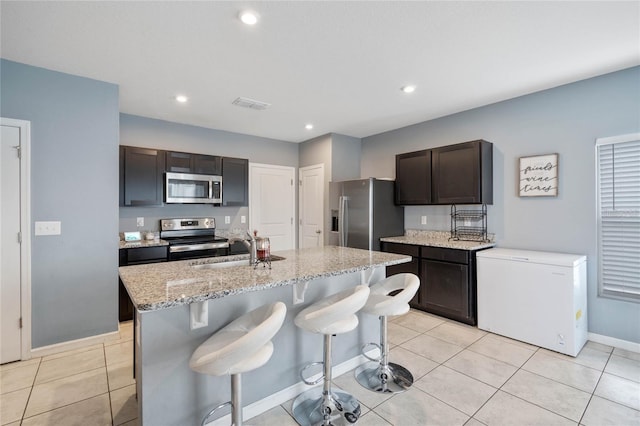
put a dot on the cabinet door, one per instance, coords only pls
(413, 178)
(444, 289)
(463, 173)
(412, 267)
(184, 162)
(179, 162)
(207, 164)
(235, 182)
(141, 174)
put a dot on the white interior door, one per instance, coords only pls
(311, 206)
(272, 204)
(10, 300)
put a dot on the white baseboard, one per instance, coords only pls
(612, 341)
(74, 344)
(265, 404)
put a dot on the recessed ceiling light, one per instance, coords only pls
(182, 99)
(408, 89)
(248, 17)
(308, 126)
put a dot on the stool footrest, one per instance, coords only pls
(308, 382)
(364, 353)
(204, 420)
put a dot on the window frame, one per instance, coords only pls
(603, 289)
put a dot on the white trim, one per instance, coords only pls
(75, 344)
(25, 230)
(616, 343)
(618, 139)
(280, 397)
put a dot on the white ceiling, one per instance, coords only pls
(338, 65)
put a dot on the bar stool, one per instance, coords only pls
(380, 375)
(242, 345)
(330, 316)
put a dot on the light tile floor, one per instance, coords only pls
(463, 376)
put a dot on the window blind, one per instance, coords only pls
(618, 180)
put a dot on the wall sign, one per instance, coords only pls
(539, 176)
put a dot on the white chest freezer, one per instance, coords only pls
(535, 297)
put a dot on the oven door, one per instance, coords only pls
(195, 251)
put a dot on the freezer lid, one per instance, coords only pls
(531, 256)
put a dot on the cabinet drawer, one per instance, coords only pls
(146, 255)
(445, 255)
(399, 248)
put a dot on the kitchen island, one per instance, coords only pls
(180, 304)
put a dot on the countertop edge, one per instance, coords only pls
(145, 307)
(451, 244)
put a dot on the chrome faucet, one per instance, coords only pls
(250, 244)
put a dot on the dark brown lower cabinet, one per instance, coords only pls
(447, 279)
(446, 290)
(412, 267)
(135, 256)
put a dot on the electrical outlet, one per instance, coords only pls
(227, 219)
(243, 219)
(48, 228)
(423, 220)
(140, 221)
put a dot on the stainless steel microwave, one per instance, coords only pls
(191, 188)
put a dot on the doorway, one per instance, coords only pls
(272, 204)
(312, 206)
(15, 238)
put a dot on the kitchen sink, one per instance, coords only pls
(229, 264)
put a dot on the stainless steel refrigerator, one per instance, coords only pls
(362, 212)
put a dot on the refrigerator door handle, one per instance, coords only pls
(342, 224)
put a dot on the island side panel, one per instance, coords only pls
(169, 393)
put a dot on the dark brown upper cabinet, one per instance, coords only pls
(413, 178)
(184, 162)
(462, 173)
(452, 174)
(141, 176)
(235, 181)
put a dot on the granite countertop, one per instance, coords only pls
(142, 243)
(437, 239)
(167, 284)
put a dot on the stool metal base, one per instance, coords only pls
(341, 408)
(392, 378)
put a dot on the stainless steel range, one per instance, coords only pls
(192, 238)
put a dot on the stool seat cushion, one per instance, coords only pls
(334, 314)
(242, 345)
(382, 304)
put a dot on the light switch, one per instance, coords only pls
(423, 220)
(48, 228)
(227, 219)
(243, 219)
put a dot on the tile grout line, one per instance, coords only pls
(104, 353)
(24, 410)
(595, 387)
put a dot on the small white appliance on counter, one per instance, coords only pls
(535, 297)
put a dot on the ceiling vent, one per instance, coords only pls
(251, 103)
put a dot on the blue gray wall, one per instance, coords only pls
(152, 133)
(564, 120)
(74, 179)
